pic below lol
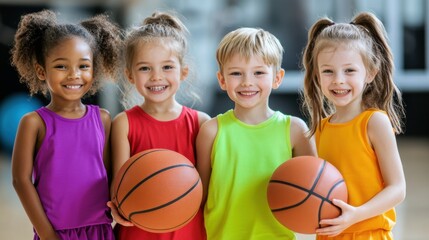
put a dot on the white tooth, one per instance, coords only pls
(73, 86)
(157, 88)
(247, 93)
(341, 91)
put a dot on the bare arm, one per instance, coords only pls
(30, 132)
(383, 141)
(301, 144)
(107, 122)
(204, 144)
(119, 142)
(120, 149)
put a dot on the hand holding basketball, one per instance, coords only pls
(116, 216)
(301, 190)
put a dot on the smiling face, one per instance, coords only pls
(68, 70)
(156, 72)
(342, 75)
(248, 82)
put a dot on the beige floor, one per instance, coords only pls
(413, 213)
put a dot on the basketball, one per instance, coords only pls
(158, 190)
(301, 190)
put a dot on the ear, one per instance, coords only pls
(184, 73)
(278, 78)
(221, 80)
(40, 72)
(370, 76)
(129, 76)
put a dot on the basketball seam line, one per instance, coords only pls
(149, 177)
(310, 192)
(174, 227)
(168, 203)
(329, 201)
(135, 160)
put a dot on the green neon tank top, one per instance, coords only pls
(243, 160)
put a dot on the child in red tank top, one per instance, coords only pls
(155, 68)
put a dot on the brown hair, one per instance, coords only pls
(366, 34)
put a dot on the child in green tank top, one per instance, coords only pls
(239, 150)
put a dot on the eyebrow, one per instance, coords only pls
(65, 59)
(163, 62)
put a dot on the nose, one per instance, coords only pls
(74, 74)
(246, 81)
(156, 75)
(338, 79)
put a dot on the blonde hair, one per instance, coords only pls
(161, 27)
(367, 35)
(248, 42)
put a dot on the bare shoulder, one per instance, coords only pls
(202, 117)
(379, 125)
(209, 128)
(105, 115)
(31, 125)
(32, 119)
(298, 123)
(379, 119)
(121, 117)
(302, 144)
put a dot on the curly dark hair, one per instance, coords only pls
(40, 32)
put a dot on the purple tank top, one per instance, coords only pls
(69, 172)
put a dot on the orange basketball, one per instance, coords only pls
(158, 190)
(301, 190)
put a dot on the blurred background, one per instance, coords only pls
(406, 22)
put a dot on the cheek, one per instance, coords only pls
(88, 75)
(323, 83)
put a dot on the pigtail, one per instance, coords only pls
(107, 54)
(315, 104)
(29, 49)
(382, 91)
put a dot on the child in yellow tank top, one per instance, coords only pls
(355, 110)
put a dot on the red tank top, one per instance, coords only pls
(145, 132)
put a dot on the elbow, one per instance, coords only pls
(16, 183)
(403, 194)
(19, 183)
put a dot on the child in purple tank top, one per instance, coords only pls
(60, 161)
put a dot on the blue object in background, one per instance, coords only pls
(12, 109)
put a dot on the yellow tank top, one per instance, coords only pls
(347, 147)
(243, 160)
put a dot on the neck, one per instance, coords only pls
(253, 116)
(163, 111)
